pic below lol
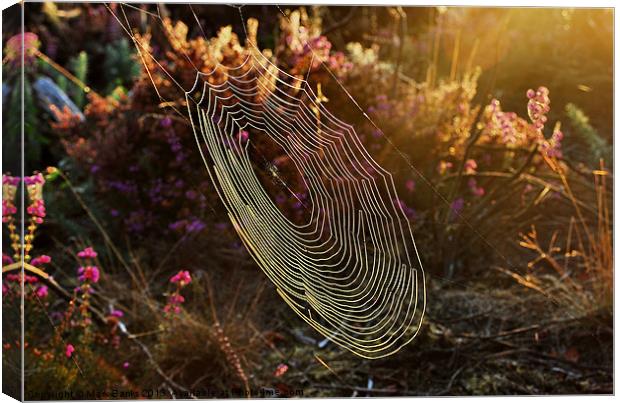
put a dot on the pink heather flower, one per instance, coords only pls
(538, 106)
(36, 179)
(34, 186)
(470, 166)
(280, 370)
(474, 188)
(88, 273)
(553, 146)
(174, 303)
(37, 210)
(8, 209)
(13, 47)
(43, 259)
(10, 180)
(182, 277)
(6, 259)
(479, 191)
(5, 289)
(172, 308)
(69, 350)
(9, 191)
(244, 136)
(117, 313)
(17, 278)
(42, 291)
(506, 124)
(126, 365)
(88, 253)
(176, 299)
(410, 185)
(443, 167)
(494, 105)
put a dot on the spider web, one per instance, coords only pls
(352, 270)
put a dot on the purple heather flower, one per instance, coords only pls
(475, 189)
(195, 226)
(177, 225)
(166, 122)
(457, 206)
(409, 212)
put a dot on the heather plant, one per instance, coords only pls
(85, 339)
(69, 347)
(162, 176)
(464, 155)
(484, 162)
(175, 299)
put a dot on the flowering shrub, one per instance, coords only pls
(175, 299)
(148, 168)
(71, 336)
(302, 49)
(451, 156)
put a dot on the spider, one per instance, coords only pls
(274, 173)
